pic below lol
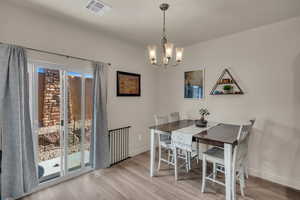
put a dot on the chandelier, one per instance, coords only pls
(166, 47)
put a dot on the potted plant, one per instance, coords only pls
(202, 122)
(227, 89)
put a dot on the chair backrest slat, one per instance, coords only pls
(241, 149)
(162, 120)
(174, 116)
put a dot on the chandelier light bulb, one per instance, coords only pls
(152, 53)
(165, 61)
(169, 50)
(179, 54)
(153, 62)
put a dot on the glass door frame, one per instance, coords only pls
(65, 173)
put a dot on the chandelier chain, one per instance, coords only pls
(164, 24)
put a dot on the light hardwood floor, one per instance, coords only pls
(130, 180)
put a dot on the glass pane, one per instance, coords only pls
(74, 120)
(49, 134)
(88, 117)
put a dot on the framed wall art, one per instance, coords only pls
(128, 84)
(194, 84)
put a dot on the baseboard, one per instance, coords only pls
(139, 151)
(295, 184)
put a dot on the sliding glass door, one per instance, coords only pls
(48, 127)
(88, 91)
(62, 114)
(74, 120)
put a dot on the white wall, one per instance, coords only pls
(266, 63)
(29, 28)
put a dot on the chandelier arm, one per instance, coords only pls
(158, 65)
(169, 64)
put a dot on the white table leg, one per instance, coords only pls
(152, 152)
(228, 172)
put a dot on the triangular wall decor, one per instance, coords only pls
(226, 85)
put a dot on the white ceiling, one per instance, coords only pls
(188, 21)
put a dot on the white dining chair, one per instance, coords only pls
(187, 155)
(245, 164)
(164, 142)
(174, 116)
(184, 148)
(215, 155)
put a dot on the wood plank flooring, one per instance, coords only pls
(130, 180)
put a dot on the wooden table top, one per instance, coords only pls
(217, 135)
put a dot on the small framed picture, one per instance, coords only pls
(194, 84)
(128, 84)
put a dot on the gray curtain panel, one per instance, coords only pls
(100, 141)
(18, 163)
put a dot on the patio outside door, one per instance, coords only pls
(62, 115)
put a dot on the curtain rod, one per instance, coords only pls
(57, 54)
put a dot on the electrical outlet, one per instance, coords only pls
(140, 137)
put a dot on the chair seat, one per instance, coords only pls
(194, 152)
(215, 155)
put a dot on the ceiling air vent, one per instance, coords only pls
(97, 7)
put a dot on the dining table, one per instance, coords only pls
(222, 135)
